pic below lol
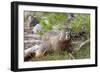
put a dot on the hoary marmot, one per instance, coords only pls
(53, 41)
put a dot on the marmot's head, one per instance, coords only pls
(64, 35)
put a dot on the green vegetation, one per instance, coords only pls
(81, 20)
(76, 24)
(58, 56)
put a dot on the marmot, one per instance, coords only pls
(53, 41)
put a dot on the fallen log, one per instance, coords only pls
(30, 52)
(32, 41)
(35, 36)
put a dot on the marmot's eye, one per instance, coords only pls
(67, 34)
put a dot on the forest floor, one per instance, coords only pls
(31, 39)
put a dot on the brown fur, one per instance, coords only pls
(52, 42)
(64, 45)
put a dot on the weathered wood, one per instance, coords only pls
(71, 56)
(32, 35)
(32, 41)
(84, 43)
(28, 53)
(32, 49)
